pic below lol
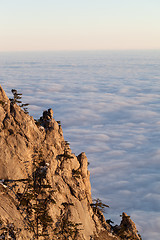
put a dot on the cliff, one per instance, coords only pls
(45, 190)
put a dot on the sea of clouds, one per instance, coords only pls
(109, 106)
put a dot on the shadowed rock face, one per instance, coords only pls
(127, 228)
(45, 190)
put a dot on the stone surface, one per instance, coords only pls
(127, 228)
(32, 151)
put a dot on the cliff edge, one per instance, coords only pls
(45, 190)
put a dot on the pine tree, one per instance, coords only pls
(98, 206)
(17, 99)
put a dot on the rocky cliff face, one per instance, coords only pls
(45, 190)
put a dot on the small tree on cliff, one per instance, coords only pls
(17, 99)
(98, 206)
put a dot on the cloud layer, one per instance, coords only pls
(108, 104)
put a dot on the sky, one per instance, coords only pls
(49, 25)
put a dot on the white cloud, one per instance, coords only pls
(148, 229)
(108, 108)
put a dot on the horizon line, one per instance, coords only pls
(78, 50)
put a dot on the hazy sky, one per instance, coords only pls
(79, 24)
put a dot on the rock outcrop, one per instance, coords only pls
(45, 190)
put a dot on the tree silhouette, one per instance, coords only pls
(98, 206)
(17, 99)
